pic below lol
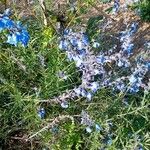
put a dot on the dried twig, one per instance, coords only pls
(101, 11)
(54, 122)
(44, 10)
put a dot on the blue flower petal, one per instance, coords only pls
(88, 129)
(7, 12)
(41, 113)
(97, 127)
(12, 39)
(89, 96)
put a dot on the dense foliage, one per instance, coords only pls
(73, 79)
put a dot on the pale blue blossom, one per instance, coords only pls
(64, 104)
(116, 6)
(16, 32)
(12, 39)
(63, 45)
(88, 129)
(85, 39)
(77, 91)
(101, 59)
(93, 67)
(109, 141)
(96, 44)
(132, 79)
(73, 41)
(98, 127)
(7, 12)
(41, 113)
(94, 86)
(133, 28)
(79, 62)
(89, 96)
(83, 92)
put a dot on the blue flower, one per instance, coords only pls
(106, 82)
(64, 104)
(133, 28)
(12, 39)
(100, 59)
(96, 71)
(63, 45)
(17, 32)
(73, 41)
(85, 39)
(120, 86)
(89, 96)
(132, 79)
(129, 48)
(80, 45)
(41, 113)
(96, 44)
(82, 52)
(7, 12)
(86, 120)
(69, 56)
(140, 147)
(8, 24)
(23, 37)
(79, 62)
(18, 37)
(109, 141)
(67, 31)
(88, 129)
(94, 86)
(2, 25)
(120, 63)
(83, 92)
(116, 6)
(97, 127)
(77, 91)
(147, 64)
(134, 89)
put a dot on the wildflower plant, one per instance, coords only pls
(16, 32)
(58, 93)
(79, 49)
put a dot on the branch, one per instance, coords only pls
(47, 21)
(54, 122)
(101, 11)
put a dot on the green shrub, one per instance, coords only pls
(143, 8)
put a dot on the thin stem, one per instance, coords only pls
(55, 121)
